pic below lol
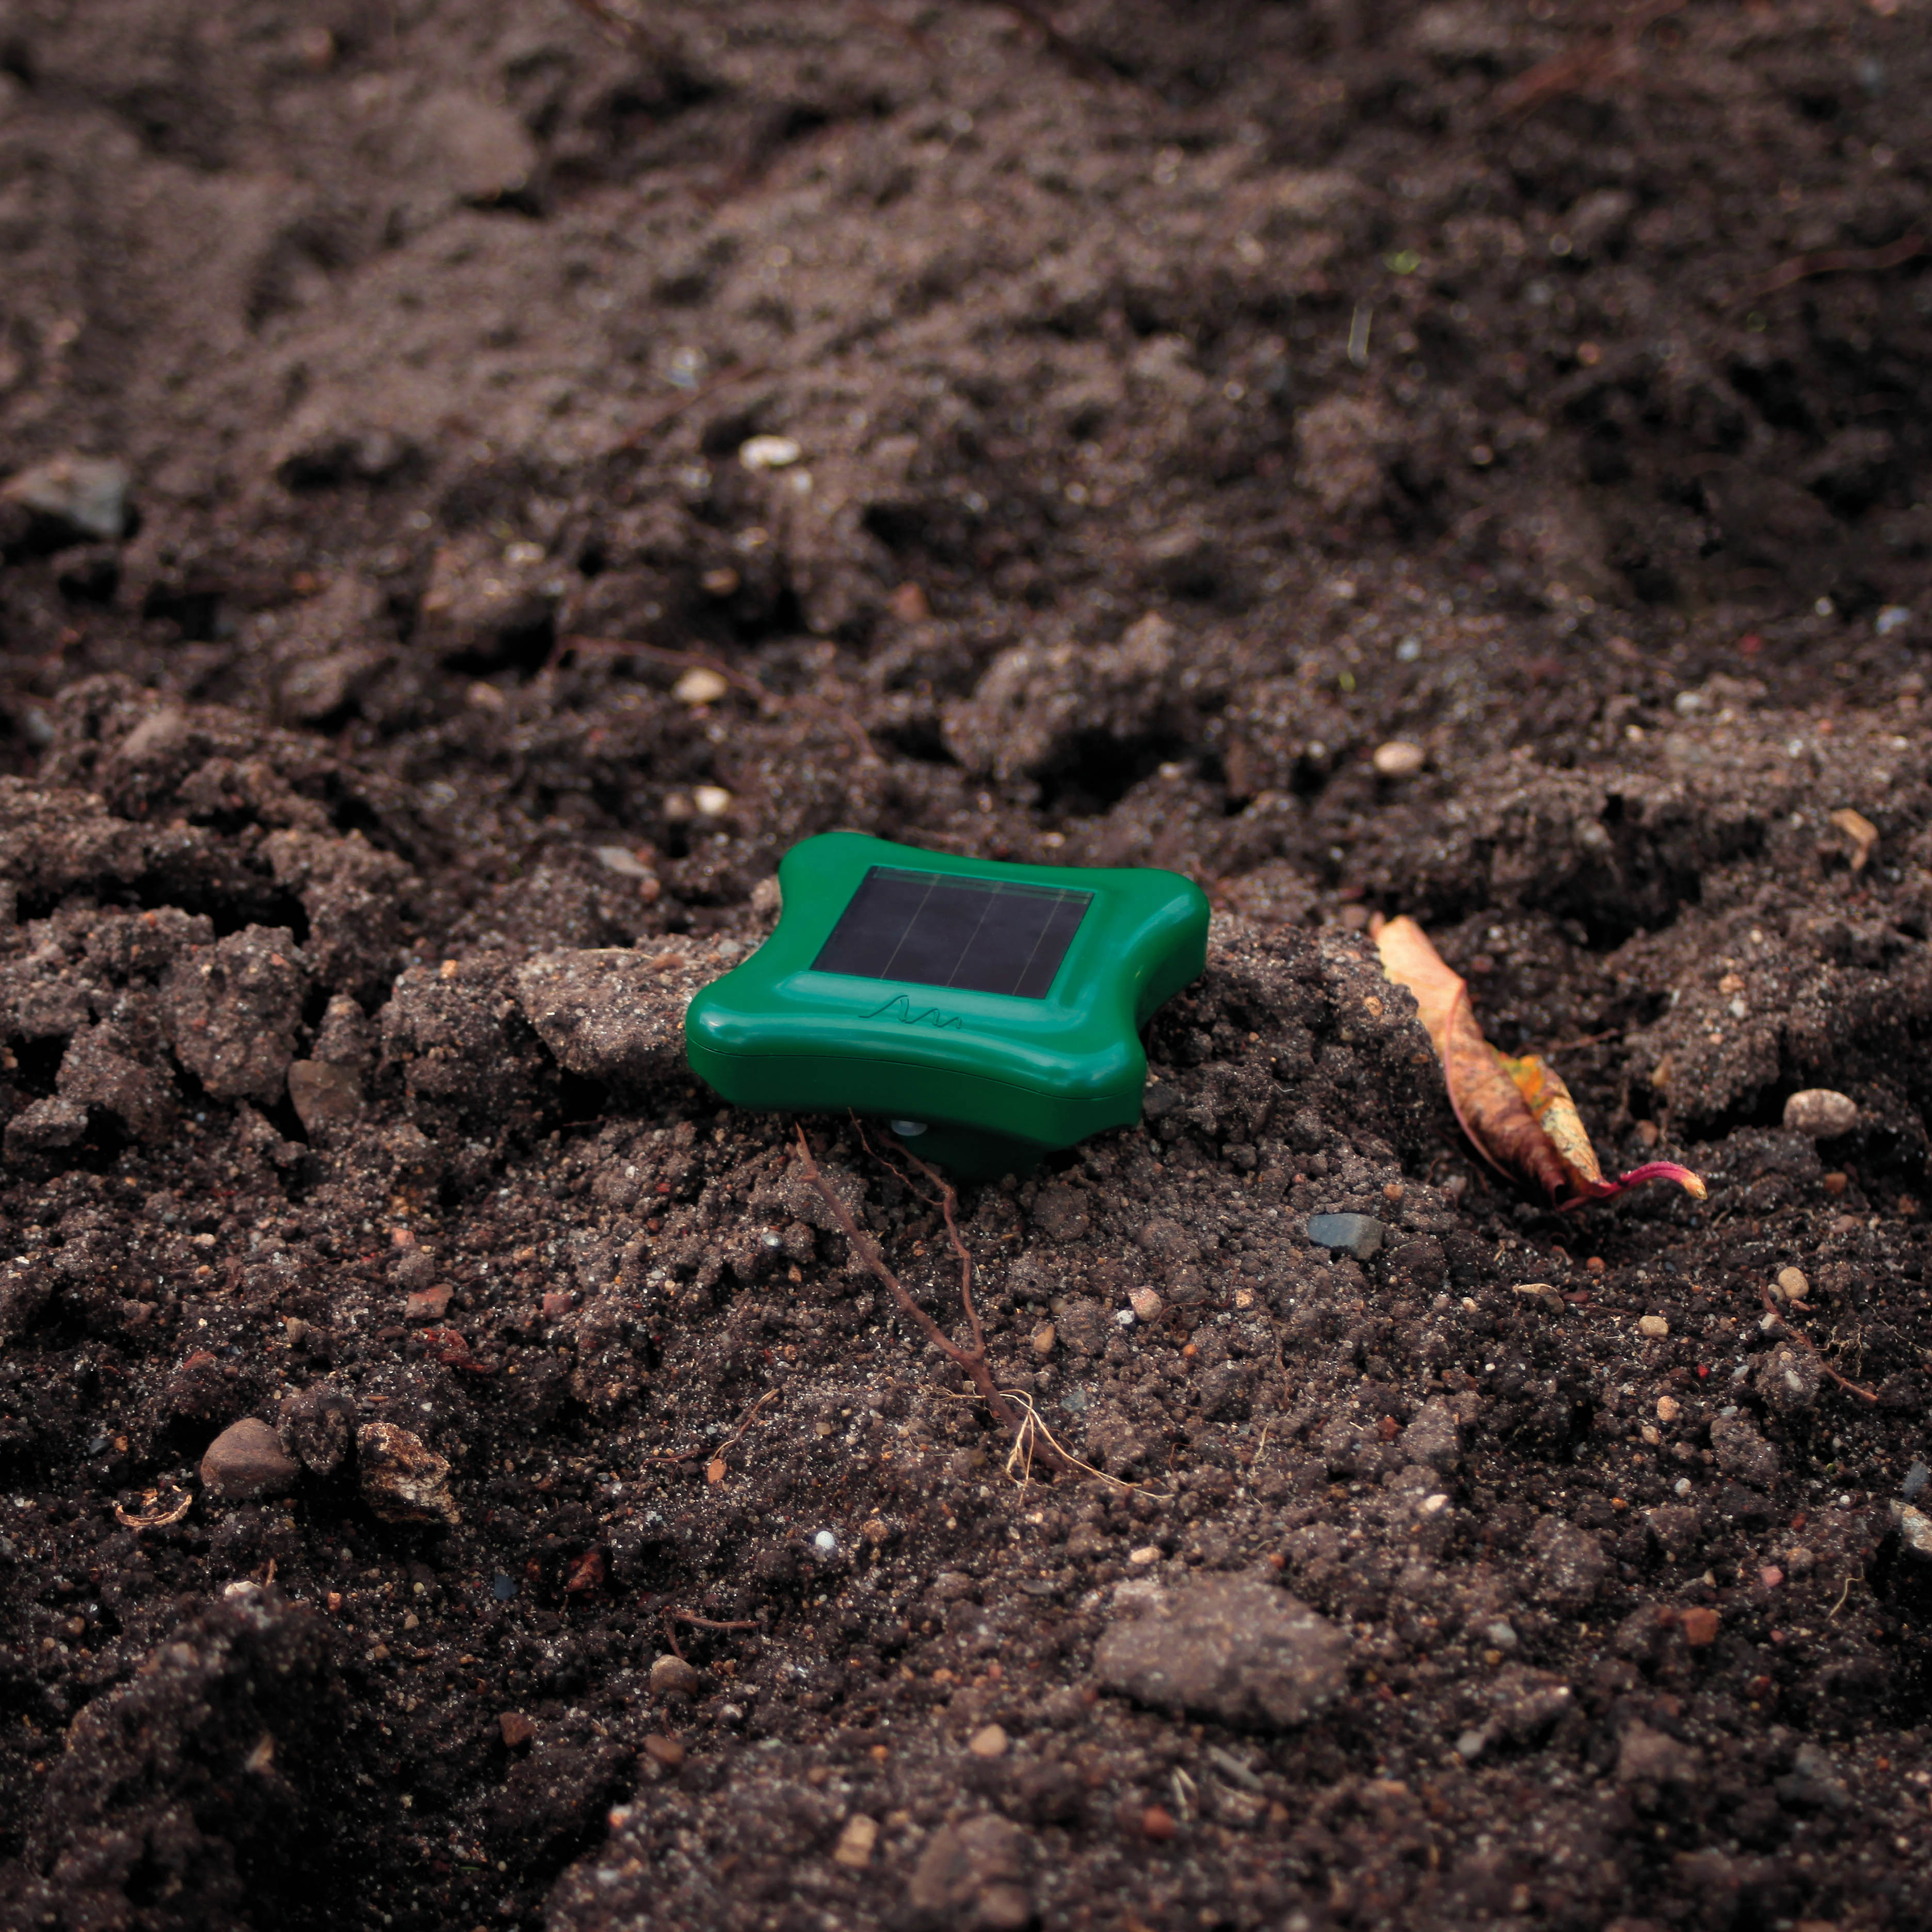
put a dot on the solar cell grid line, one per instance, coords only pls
(950, 929)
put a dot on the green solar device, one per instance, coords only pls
(990, 1012)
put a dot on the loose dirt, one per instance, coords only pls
(480, 482)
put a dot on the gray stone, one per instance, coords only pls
(1819, 1114)
(1915, 1530)
(1357, 1234)
(317, 1425)
(1916, 1477)
(1742, 1452)
(616, 1015)
(84, 496)
(247, 1460)
(1227, 1647)
(973, 1873)
(403, 1480)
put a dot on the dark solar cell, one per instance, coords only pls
(945, 929)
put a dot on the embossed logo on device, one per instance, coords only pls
(902, 1009)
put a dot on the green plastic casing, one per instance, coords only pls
(998, 1080)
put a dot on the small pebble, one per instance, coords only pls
(700, 685)
(1357, 1234)
(1398, 759)
(1915, 1480)
(1044, 1337)
(854, 1848)
(1157, 1824)
(517, 1728)
(324, 1097)
(622, 860)
(672, 1676)
(426, 1304)
(1792, 1281)
(768, 452)
(1699, 1626)
(403, 1479)
(1836, 1183)
(988, 1741)
(1770, 1575)
(247, 1460)
(1668, 1408)
(1145, 1303)
(664, 1751)
(1915, 1528)
(1148, 1553)
(712, 801)
(84, 496)
(1819, 1114)
(1653, 1325)
(825, 1543)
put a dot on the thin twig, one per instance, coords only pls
(670, 1617)
(736, 1435)
(1840, 1603)
(1575, 68)
(669, 412)
(1799, 1335)
(1840, 262)
(626, 32)
(1081, 59)
(970, 1362)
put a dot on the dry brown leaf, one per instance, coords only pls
(1517, 1113)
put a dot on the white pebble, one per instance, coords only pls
(1398, 759)
(825, 1543)
(712, 801)
(700, 685)
(622, 860)
(1819, 1114)
(768, 452)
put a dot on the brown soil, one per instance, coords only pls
(1186, 399)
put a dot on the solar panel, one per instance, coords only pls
(950, 929)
